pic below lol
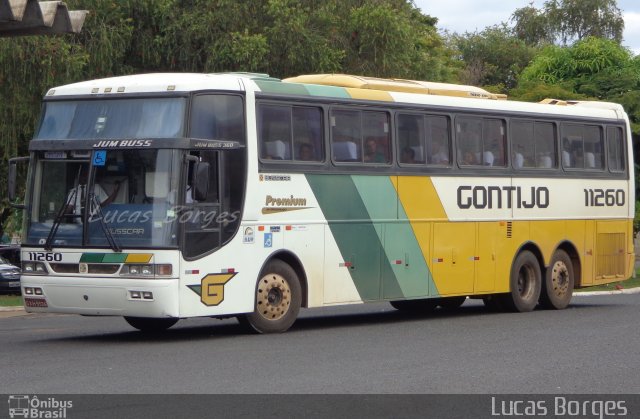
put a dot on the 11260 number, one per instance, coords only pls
(604, 197)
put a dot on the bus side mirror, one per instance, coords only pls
(200, 181)
(13, 174)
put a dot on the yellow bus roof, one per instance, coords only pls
(396, 85)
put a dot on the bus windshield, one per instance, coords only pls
(113, 118)
(129, 200)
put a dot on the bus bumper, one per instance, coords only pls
(111, 297)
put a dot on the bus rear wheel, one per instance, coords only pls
(278, 299)
(147, 324)
(557, 288)
(525, 283)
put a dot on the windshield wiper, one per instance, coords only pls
(93, 200)
(58, 220)
(62, 213)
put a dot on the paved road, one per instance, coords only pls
(592, 347)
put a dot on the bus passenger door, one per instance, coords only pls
(485, 266)
(453, 258)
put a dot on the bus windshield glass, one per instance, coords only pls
(129, 200)
(113, 118)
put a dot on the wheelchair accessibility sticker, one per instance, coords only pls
(268, 239)
(99, 158)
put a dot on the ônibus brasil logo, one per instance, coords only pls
(32, 407)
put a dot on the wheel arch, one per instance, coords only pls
(292, 260)
(533, 248)
(572, 251)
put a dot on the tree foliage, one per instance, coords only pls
(567, 21)
(493, 57)
(594, 68)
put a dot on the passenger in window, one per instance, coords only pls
(371, 153)
(469, 159)
(438, 156)
(408, 155)
(306, 152)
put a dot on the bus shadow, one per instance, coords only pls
(214, 329)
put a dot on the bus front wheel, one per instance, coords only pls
(147, 324)
(278, 299)
(557, 288)
(525, 283)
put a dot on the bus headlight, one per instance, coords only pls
(147, 270)
(34, 268)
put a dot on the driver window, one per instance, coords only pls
(213, 192)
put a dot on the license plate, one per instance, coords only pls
(14, 284)
(35, 302)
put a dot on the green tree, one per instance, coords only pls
(567, 21)
(594, 68)
(494, 57)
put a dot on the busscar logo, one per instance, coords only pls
(32, 407)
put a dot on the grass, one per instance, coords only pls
(10, 300)
(629, 283)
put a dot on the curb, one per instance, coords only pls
(613, 292)
(12, 308)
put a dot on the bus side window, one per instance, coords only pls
(410, 139)
(375, 137)
(593, 148)
(438, 142)
(544, 135)
(307, 134)
(615, 149)
(345, 135)
(275, 132)
(469, 139)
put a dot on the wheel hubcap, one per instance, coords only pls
(525, 281)
(274, 297)
(559, 279)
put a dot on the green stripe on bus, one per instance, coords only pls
(91, 257)
(115, 258)
(409, 275)
(282, 88)
(357, 237)
(328, 91)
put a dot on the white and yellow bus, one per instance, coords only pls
(166, 196)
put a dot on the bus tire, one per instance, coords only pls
(278, 299)
(148, 324)
(421, 306)
(557, 287)
(451, 303)
(525, 283)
